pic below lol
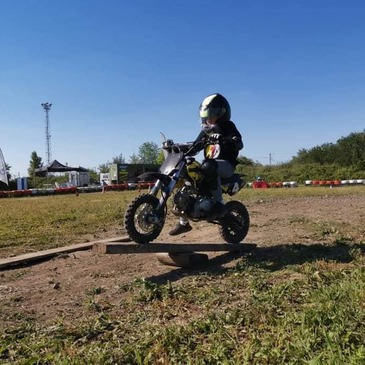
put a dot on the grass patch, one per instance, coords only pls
(38, 223)
(299, 192)
(303, 314)
(284, 304)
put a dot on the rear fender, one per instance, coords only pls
(233, 184)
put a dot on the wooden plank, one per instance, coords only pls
(126, 248)
(39, 255)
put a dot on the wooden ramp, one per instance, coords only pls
(186, 255)
(174, 252)
(40, 255)
(125, 248)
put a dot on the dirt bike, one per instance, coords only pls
(145, 216)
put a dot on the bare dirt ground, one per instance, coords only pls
(61, 288)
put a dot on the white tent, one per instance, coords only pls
(3, 175)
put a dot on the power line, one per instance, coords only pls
(270, 158)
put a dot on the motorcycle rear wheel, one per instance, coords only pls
(235, 225)
(143, 220)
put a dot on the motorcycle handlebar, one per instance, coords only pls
(186, 148)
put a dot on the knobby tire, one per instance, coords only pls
(136, 222)
(234, 227)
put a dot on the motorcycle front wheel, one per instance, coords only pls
(235, 225)
(144, 219)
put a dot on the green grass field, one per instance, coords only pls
(293, 305)
(36, 223)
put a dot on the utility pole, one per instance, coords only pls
(47, 108)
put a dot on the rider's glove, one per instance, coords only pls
(215, 138)
(166, 145)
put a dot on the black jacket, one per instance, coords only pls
(226, 144)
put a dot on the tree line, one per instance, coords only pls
(344, 159)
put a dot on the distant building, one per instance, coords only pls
(120, 173)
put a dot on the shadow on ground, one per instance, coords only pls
(271, 258)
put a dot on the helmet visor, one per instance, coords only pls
(206, 113)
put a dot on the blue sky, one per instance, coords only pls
(119, 72)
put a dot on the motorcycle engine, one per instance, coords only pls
(183, 200)
(188, 204)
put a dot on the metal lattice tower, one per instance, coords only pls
(47, 108)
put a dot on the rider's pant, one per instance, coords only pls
(214, 170)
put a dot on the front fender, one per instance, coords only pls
(149, 176)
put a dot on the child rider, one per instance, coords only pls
(221, 142)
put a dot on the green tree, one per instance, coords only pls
(118, 159)
(134, 159)
(148, 153)
(35, 163)
(160, 158)
(104, 168)
(94, 176)
(351, 150)
(242, 160)
(7, 168)
(347, 151)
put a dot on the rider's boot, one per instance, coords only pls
(219, 210)
(180, 228)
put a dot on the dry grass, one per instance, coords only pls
(282, 304)
(37, 223)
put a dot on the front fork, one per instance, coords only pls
(167, 189)
(154, 191)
